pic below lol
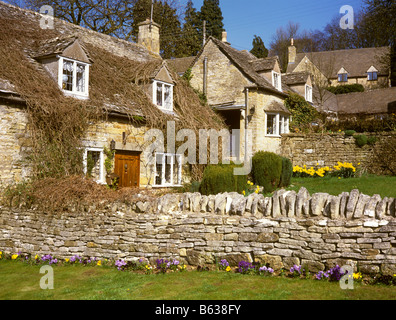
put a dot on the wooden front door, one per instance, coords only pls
(127, 167)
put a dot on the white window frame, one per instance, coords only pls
(162, 173)
(163, 84)
(277, 85)
(74, 92)
(282, 124)
(102, 176)
(308, 93)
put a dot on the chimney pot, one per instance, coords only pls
(224, 36)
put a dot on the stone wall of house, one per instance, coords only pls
(327, 149)
(288, 228)
(100, 135)
(14, 142)
(225, 82)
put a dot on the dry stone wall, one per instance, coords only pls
(288, 228)
(326, 149)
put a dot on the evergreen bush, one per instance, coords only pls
(220, 178)
(361, 140)
(287, 172)
(347, 88)
(267, 170)
(349, 133)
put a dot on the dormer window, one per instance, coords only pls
(342, 75)
(163, 95)
(73, 78)
(308, 93)
(372, 74)
(276, 80)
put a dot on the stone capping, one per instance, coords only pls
(346, 206)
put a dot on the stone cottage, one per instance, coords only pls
(234, 81)
(365, 66)
(129, 84)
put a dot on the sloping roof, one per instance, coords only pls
(57, 46)
(355, 61)
(263, 64)
(118, 69)
(180, 65)
(277, 107)
(368, 102)
(295, 78)
(241, 61)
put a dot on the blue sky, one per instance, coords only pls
(245, 18)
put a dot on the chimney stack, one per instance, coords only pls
(149, 35)
(224, 37)
(292, 52)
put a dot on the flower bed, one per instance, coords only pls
(340, 170)
(163, 266)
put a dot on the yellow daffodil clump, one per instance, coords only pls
(341, 169)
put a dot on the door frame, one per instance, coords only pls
(129, 153)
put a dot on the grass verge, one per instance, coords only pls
(385, 186)
(20, 281)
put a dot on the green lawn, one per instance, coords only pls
(385, 186)
(20, 281)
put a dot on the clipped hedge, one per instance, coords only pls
(287, 172)
(346, 88)
(267, 170)
(220, 178)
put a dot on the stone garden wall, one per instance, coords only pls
(285, 229)
(327, 149)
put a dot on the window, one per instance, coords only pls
(73, 77)
(234, 143)
(372, 76)
(276, 80)
(168, 169)
(277, 124)
(272, 124)
(342, 77)
(308, 93)
(163, 95)
(93, 161)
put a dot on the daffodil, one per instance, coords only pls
(14, 256)
(228, 269)
(99, 263)
(357, 276)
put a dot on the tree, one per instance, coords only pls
(380, 18)
(165, 14)
(282, 38)
(259, 50)
(111, 17)
(191, 39)
(211, 13)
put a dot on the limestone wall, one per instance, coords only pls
(285, 229)
(13, 144)
(327, 149)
